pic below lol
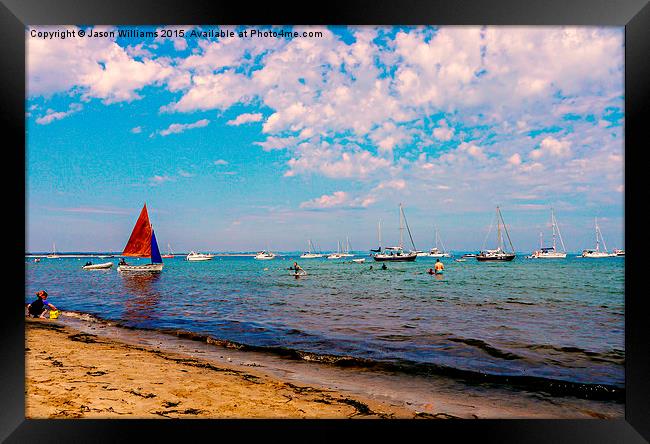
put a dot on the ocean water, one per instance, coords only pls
(552, 325)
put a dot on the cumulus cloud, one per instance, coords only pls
(245, 118)
(99, 68)
(552, 147)
(176, 128)
(338, 199)
(51, 115)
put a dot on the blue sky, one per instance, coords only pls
(240, 144)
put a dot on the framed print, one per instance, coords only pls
(402, 213)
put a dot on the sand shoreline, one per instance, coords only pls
(71, 374)
(79, 368)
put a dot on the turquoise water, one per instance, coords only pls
(526, 320)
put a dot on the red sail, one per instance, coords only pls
(139, 244)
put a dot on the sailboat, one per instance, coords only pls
(346, 251)
(397, 254)
(142, 243)
(310, 253)
(498, 254)
(338, 254)
(170, 253)
(436, 251)
(550, 252)
(53, 255)
(596, 253)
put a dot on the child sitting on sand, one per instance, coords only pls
(37, 308)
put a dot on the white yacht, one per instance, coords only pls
(550, 252)
(194, 256)
(338, 254)
(346, 251)
(310, 254)
(53, 255)
(265, 255)
(596, 253)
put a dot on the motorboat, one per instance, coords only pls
(195, 257)
(265, 255)
(102, 266)
(359, 260)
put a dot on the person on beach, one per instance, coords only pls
(37, 308)
(122, 261)
(384, 267)
(430, 271)
(439, 266)
(371, 267)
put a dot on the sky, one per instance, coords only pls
(245, 143)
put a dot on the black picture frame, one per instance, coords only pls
(15, 15)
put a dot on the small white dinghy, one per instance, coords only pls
(98, 266)
(359, 261)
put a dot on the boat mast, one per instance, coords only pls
(499, 237)
(553, 227)
(557, 227)
(512, 248)
(401, 228)
(599, 233)
(597, 240)
(407, 227)
(541, 240)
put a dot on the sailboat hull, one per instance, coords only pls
(395, 257)
(146, 268)
(495, 258)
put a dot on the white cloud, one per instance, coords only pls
(515, 159)
(277, 143)
(176, 128)
(51, 115)
(338, 199)
(552, 147)
(245, 118)
(159, 180)
(443, 132)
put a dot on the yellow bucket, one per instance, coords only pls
(54, 314)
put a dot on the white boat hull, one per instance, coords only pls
(556, 255)
(98, 266)
(310, 256)
(596, 255)
(359, 261)
(146, 268)
(198, 259)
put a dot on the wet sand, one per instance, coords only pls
(86, 369)
(70, 374)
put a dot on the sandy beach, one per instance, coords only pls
(70, 374)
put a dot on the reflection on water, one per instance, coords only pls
(141, 297)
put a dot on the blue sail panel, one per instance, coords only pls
(155, 252)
